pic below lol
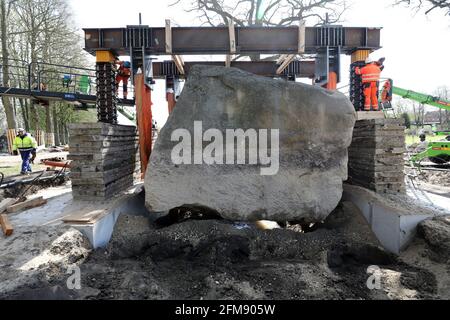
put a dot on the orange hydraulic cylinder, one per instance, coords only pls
(171, 100)
(332, 81)
(144, 120)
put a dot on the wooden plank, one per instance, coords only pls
(10, 135)
(29, 204)
(282, 58)
(6, 225)
(286, 63)
(7, 203)
(168, 37)
(228, 61)
(231, 31)
(302, 37)
(179, 63)
(369, 115)
(91, 216)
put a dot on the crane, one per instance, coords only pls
(437, 152)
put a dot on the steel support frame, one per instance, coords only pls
(301, 69)
(216, 40)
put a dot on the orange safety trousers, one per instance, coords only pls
(124, 80)
(371, 95)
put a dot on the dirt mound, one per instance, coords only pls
(436, 233)
(214, 259)
(45, 252)
(219, 259)
(436, 177)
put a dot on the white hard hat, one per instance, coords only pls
(21, 130)
(369, 60)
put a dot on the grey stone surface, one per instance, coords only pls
(315, 131)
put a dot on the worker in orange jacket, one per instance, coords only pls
(123, 74)
(370, 75)
(386, 94)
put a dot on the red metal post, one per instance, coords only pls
(332, 81)
(144, 120)
(171, 100)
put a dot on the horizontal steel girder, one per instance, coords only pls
(216, 40)
(301, 69)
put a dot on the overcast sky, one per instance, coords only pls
(416, 47)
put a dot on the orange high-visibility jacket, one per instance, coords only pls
(369, 73)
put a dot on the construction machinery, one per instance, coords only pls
(389, 90)
(437, 152)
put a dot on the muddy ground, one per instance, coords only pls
(215, 259)
(438, 178)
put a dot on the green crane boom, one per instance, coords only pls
(421, 98)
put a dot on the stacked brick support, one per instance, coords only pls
(376, 155)
(105, 160)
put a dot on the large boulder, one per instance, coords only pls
(315, 130)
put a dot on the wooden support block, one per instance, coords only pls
(29, 204)
(231, 30)
(168, 37)
(7, 203)
(179, 63)
(228, 61)
(286, 63)
(302, 37)
(6, 225)
(369, 115)
(103, 56)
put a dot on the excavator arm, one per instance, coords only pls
(413, 95)
(421, 98)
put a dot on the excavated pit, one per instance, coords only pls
(220, 259)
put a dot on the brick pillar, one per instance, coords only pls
(376, 155)
(105, 160)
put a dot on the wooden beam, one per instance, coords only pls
(302, 37)
(6, 225)
(29, 204)
(168, 37)
(231, 30)
(228, 61)
(7, 203)
(179, 63)
(285, 64)
(281, 58)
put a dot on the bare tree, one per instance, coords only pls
(443, 92)
(265, 12)
(5, 9)
(427, 5)
(419, 113)
(274, 13)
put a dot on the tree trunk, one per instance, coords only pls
(23, 110)
(48, 119)
(66, 134)
(55, 126)
(35, 121)
(10, 116)
(27, 112)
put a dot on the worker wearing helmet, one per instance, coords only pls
(26, 145)
(386, 95)
(123, 74)
(370, 75)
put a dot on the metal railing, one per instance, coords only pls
(41, 76)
